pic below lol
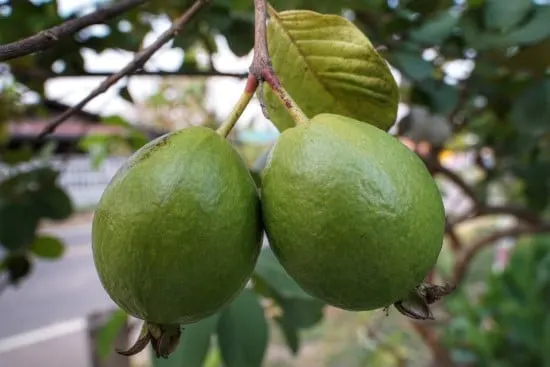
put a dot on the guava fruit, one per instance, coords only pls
(350, 212)
(177, 233)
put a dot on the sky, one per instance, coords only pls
(223, 91)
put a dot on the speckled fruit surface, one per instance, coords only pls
(351, 213)
(177, 232)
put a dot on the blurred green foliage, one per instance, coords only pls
(508, 324)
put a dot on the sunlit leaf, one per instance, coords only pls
(328, 65)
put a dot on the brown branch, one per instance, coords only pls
(461, 265)
(440, 354)
(261, 63)
(139, 60)
(47, 38)
(480, 208)
(522, 214)
(455, 242)
(458, 181)
(190, 73)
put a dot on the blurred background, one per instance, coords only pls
(474, 77)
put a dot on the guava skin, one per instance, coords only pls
(177, 232)
(350, 212)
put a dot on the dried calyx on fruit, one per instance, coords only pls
(417, 304)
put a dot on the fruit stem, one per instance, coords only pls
(292, 107)
(262, 68)
(240, 106)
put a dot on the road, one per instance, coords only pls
(42, 322)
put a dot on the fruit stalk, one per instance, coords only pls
(240, 106)
(262, 68)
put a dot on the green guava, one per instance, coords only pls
(177, 232)
(351, 213)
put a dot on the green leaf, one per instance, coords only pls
(124, 92)
(437, 29)
(302, 313)
(440, 97)
(531, 110)
(240, 37)
(18, 224)
(194, 345)
(501, 15)
(53, 202)
(535, 30)
(243, 332)
(270, 270)
(290, 332)
(14, 157)
(328, 65)
(98, 146)
(18, 267)
(47, 247)
(137, 139)
(108, 333)
(412, 65)
(115, 120)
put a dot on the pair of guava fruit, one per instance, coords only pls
(351, 213)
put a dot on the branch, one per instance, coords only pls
(480, 208)
(461, 266)
(262, 69)
(261, 63)
(518, 212)
(139, 60)
(440, 354)
(190, 73)
(455, 242)
(47, 38)
(457, 180)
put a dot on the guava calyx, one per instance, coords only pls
(163, 338)
(417, 303)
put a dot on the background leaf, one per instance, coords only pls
(500, 14)
(531, 110)
(243, 332)
(108, 333)
(437, 29)
(47, 247)
(270, 270)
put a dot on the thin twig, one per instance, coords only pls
(484, 210)
(454, 240)
(461, 265)
(262, 69)
(139, 60)
(189, 73)
(458, 181)
(47, 38)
